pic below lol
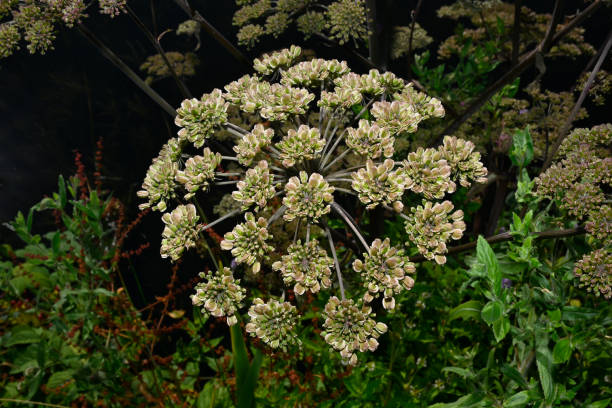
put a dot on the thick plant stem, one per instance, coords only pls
(336, 263)
(156, 44)
(507, 236)
(127, 71)
(585, 91)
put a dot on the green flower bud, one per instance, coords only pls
(307, 265)
(180, 232)
(274, 323)
(219, 295)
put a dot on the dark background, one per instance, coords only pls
(52, 104)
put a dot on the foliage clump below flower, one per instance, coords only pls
(219, 295)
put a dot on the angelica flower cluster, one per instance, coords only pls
(318, 147)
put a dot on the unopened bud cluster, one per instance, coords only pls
(274, 323)
(219, 295)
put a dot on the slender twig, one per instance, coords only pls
(127, 71)
(340, 157)
(157, 45)
(276, 214)
(213, 32)
(225, 183)
(345, 190)
(336, 263)
(414, 15)
(351, 223)
(525, 62)
(229, 158)
(507, 236)
(220, 219)
(236, 128)
(307, 232)
(587, 86)
(44, 404)
(552, 27)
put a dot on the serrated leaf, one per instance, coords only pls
(513, 374)
(544, 363)
(21, 335)
(562, 351)
(520, 399)
(492, 311)
(59, 378)
(501, 327)
(487, 257)
(462, 372)
(468, 310)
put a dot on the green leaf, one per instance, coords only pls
(21, 335)
(59, 378)
(468, 310)
(501, 327)
(486, 256)
(562, 351)
(513, 374)
(61, 185)
(544, 364)
(521, 152)
(55, 243)
(468, 401)
(600, 404)
(520, 399)
(462, 372)
(492, 311)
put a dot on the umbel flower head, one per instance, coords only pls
(307, 197)
(180, 232)
(274, 323)
(320, 138)
(595, 272)
(247, 241)
(385, 270)
(431, 226)
(219, 295)
(350, 328)
(199, 170)
(307, 265)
